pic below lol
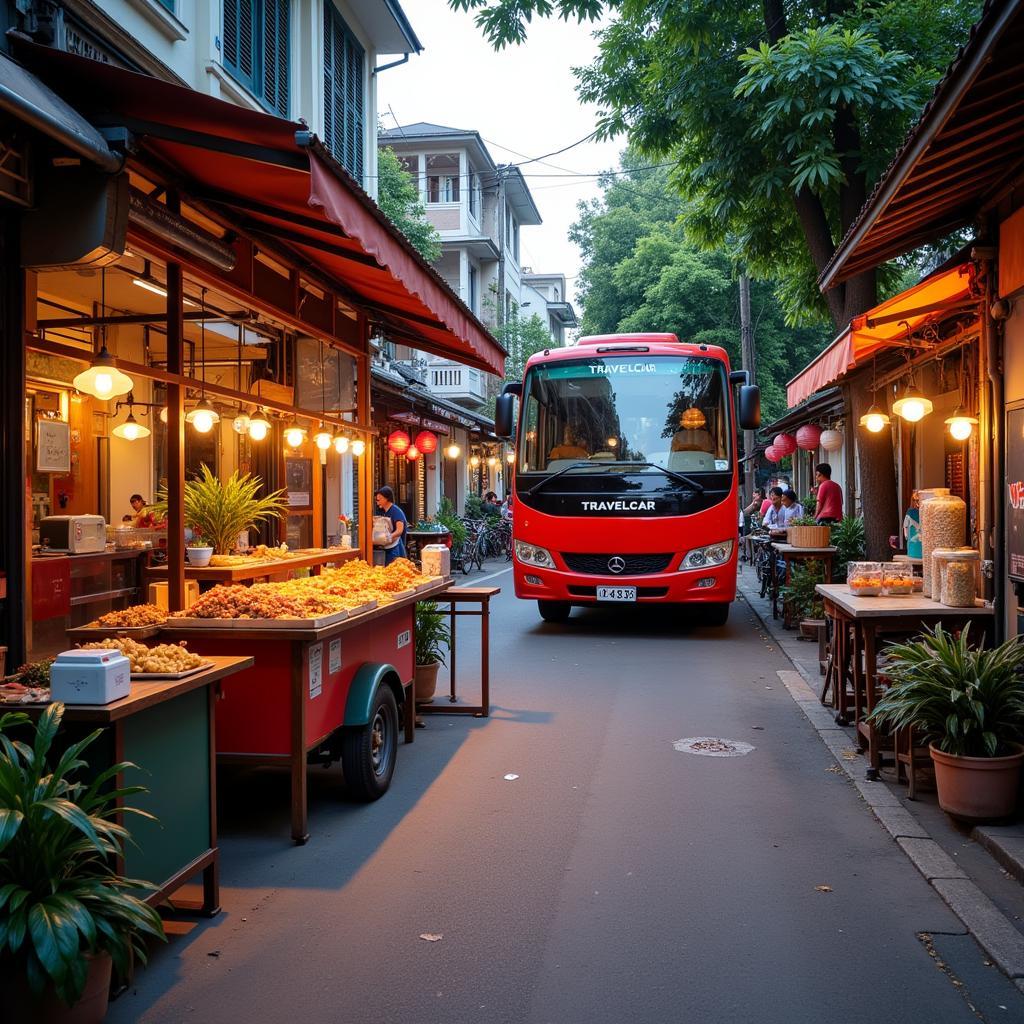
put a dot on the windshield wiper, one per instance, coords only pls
(554, 476)
(681, 477)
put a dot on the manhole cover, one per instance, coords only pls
(713, 746)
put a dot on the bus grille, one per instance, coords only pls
(636, 565)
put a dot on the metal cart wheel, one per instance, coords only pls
(369, 752)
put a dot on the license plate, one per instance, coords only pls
(616, 593)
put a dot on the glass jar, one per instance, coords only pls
(943, 525)
(897, 579)
(960, 578)
(864, 579)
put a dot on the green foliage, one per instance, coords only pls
(810, 504)
(59, 897)
(805, 520)
(521, 337)
(800, 595)
(474, 507)
(850, 542)
(447, 516)
(777, 119)
(36, 673)
(968, 702)
(399, 197)
(219, 512)
(433, 635)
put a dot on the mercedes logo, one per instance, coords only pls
(616, 564)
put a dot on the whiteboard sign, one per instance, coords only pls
(53, 447)
(316, 671)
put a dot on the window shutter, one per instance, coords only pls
(275, 55)
(344, 116)
(238, 50)
(354, 112)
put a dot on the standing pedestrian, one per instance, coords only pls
(395, 547)
(830, 497)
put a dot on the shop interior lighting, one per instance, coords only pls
(323, 438)
(131, 429)
(961, 424)
(874, 419)
(358, 447)
(412, 453)
(103, 379)
(492, 461)
(474, 461)
(164, 414)
(294, 435)
(453, 451)
(510, 457)
(341, 444)
(912, 405)
(203, 416)
(259, 425)
(150, 286)
(240, 424)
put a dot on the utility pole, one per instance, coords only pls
(748, 360)
(500, 310)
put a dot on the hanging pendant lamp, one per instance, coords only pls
(203, 417)
(103, 379)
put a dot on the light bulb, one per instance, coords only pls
(259, 426)
(322, 438)
(341, 444)
(131, 429)
(103, 379)
(474, 461)
(240, 424)
(613, 442)
(412, 453)
(912, 410)
(102, 385)
(453, 451)
(874, 422)
(492, 462)
(293, 436)
(358, 447)
(203, 421)
(961, 429)
(510, 457)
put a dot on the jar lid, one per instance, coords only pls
(962, 555)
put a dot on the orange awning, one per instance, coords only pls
(883, 327)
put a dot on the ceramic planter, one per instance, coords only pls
(199, 556)
(978, 788)
(426, 682)
(26, 1008)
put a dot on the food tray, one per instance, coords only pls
(115, 632)
(172, 675)
(231, 624)
(359, 609)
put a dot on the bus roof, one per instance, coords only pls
(609, 344)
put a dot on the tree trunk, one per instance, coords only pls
(879, 503)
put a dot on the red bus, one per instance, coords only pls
(627, 473)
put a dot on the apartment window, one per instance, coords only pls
(254, 48)
(474, 185)
(473, 287)
(344, 111)
(443, 178)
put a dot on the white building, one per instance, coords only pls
(545, 295)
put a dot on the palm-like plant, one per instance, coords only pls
(967, 702)
(433, 637)
(59, 896)
(221, 511)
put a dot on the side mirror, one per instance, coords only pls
(750, 407)
(504, 415)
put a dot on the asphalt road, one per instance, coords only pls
(615, 879)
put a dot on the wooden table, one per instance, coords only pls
(789, 554)
(167, 727)
(307, 684)
(250, 572)
(857, 624)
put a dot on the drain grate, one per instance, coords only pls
(713, 746)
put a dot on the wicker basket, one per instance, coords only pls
(809, 536)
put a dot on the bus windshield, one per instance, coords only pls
(669, 411)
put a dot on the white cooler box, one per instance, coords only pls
(90, 677)
(436, 560)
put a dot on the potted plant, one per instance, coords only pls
(219, 512)
(197, 551)
(801, 598)
(433, 639)
(850, 544)
(66, 917)
(804, 532)
(968, 706)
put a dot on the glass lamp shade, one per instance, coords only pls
(259, 426)
(912, 406)
(341, 444)
(164, 414)
(357, 447)
(453, 451)
(240, 424)
(874, 420)
(492, 461)
(203, 416)
(131, 429)
(474, 461)
(961, 425)
(294, 435)
(103, 379)
(323, 438)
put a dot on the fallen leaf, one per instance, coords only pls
(834, 768)
(511, 777)
(431, 937)
(850, 755)
(823, 888)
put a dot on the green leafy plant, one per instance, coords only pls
(850, 544)
(36, 673)
(456, 527)
(221, 511)
(967, 702)
(804, 520)
(800, 593)
(433, 636)
(59, 897)
(197, 540)
(810, 504)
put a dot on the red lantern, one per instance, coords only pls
(426, 442)
(398, 442)
(784, 444)
(413, 453)
(772, 454)
(808, 436)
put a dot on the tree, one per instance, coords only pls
(521, 337)
(399, 198)
(776, 118)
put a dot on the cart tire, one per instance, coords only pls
(716, 614)
(554, 611)
(369, 752)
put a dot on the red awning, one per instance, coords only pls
(879, 328)
(277, 179)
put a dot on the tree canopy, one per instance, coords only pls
(399, 197)
(775, 118)
(641, 273)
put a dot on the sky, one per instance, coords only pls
(523, 103)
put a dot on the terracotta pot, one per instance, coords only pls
(978, 788)
(426, 682)
(22, 1006)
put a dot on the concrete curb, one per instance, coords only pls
(984, 921)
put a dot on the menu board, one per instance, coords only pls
(299, 482)
(53, 446)
(1015, 493)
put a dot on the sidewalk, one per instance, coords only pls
(978, 872)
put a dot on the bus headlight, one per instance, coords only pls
(533, 555)
(704, 558)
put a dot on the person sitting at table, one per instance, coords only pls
(143, 520)
(775, 517)
(791, 505)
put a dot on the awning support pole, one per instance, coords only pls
(365, 462)
(175, 433)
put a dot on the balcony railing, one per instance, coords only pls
(461, 383)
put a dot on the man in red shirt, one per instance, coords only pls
(829, 495)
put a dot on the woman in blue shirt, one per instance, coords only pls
(386, 503)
